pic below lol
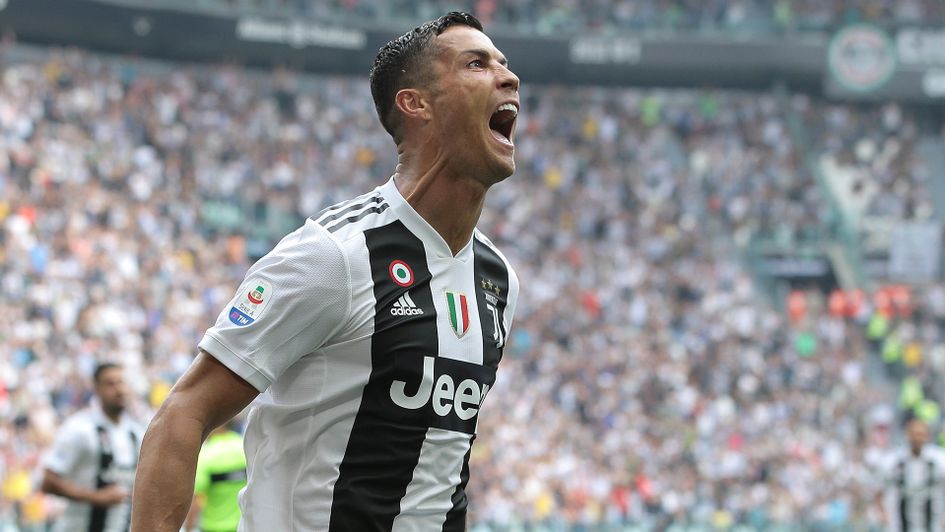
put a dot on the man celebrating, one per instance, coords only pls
(374, 331)
(92, 462)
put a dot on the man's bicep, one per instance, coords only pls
(210, 392)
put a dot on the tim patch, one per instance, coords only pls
(249, 305)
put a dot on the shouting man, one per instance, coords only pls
(374, 331)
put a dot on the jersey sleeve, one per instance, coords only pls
(289, 304)
(68, 449)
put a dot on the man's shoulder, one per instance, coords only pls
(352, 216)
(936, 453)
(82, 419)
(308, 247)
(513, 276)
(79, 427)
(488, 243)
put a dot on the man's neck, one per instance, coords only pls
(112, 415)
(450, 203)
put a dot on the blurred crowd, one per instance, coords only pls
(646, 381)
(871, 154)
(752, 171)
(908, 334)
(580, 16)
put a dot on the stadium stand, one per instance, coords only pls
(647, 382)
(871, 162)
(606, 15)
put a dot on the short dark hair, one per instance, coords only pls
(403, 62)
(102, 368)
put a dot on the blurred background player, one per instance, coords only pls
(92, 461)
(913, 499)
(221, 474)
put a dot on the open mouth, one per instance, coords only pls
(502, 122)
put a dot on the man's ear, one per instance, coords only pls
(414, 104)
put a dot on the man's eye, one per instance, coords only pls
(477, 63)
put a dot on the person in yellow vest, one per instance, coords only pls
(221, 474)
(910, 393)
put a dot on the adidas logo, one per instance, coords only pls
(405, 306)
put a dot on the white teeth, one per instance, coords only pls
(508, 107)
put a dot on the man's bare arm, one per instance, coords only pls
(56, 484)
(190, 523)
(205, 397)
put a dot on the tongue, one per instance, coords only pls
(500, 137)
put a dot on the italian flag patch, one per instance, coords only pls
(458, 306)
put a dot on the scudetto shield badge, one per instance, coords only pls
(458, 306)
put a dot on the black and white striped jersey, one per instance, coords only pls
(92, 452)
(914, 496)
(374, 347)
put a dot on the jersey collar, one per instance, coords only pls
(98, 414)
(100, 418)
(419, 226)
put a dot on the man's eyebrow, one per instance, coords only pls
(482, 53)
